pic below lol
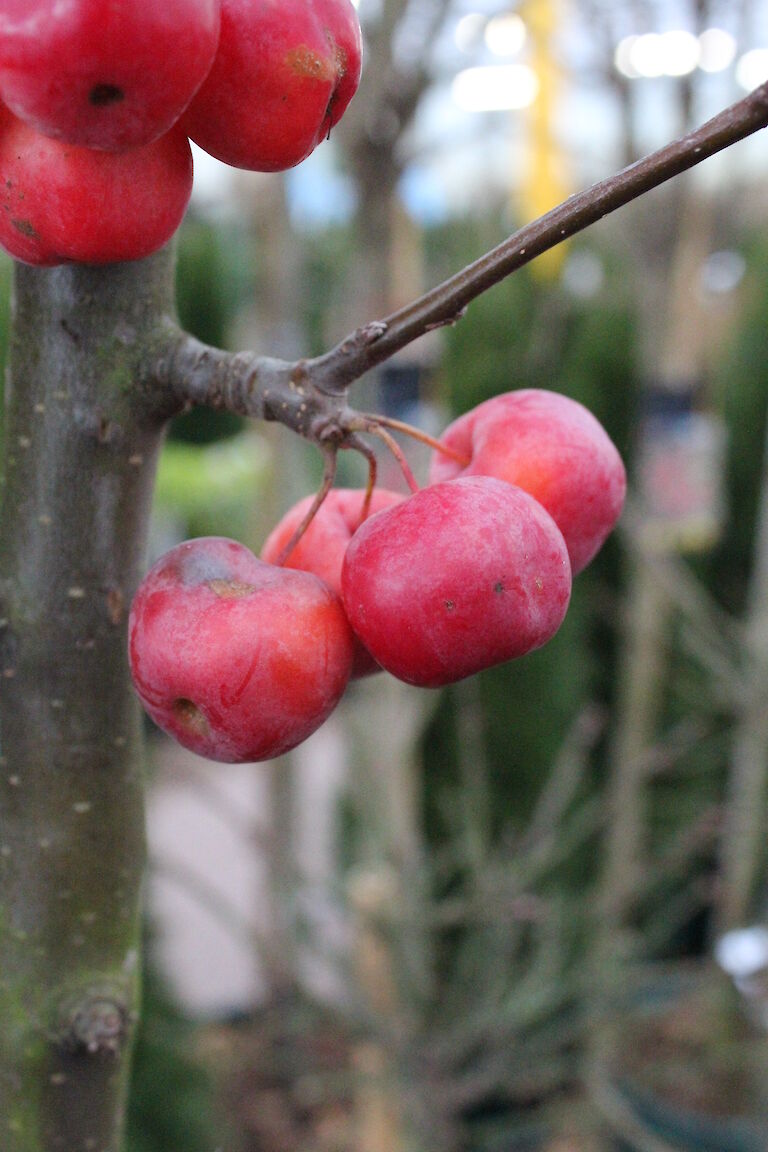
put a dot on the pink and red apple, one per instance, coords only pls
(284, 72)
(61, 202)
(104, 74)
(322, 548)
(463, 575)
(236, 659)
(553, 448)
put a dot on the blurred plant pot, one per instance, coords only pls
(692, 1070)
(690, 1130)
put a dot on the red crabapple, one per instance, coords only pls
(322, 547)
(553, 448)
(60, 202)
(104, 74)
(456, 578)
(284, 73)
(236, 659)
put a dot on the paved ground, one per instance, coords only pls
(208, 880)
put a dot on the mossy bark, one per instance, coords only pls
(83, 429)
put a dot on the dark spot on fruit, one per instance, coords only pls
(26, 228)
(230, 589)
(102, 95)
(189, 715)
(450, 605)
(498, 588)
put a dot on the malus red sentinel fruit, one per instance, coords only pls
(553, 448)
(322, 547)
(104, 73)
(461, 576)
(60, 202)
(236, 659)
(284, 73)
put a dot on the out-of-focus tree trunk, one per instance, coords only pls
(743, 853)
(371, 137)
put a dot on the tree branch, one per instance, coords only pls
(446, 303)
(310, 396)
(261, 387)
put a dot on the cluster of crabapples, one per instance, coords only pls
(242, 658)
(100, 98)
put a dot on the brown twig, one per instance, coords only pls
(310, 396)
(443, 304)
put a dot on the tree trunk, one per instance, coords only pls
(82, 435)
(743, 883)
(374, 292)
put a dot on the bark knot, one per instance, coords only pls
(98, 1023)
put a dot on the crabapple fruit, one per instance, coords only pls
(60, 202)
(462, 575)
(283, 74)
(236, 659)
(321, 549)
(104, 75)
(553, 448)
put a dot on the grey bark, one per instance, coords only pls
(82, 433)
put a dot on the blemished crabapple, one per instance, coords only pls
(104, 74)
(283, 74)
(553, 448)
(462, 575)
(237, 659)
(61, 202)
(322, 547)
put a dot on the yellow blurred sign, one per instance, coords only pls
(545, 182)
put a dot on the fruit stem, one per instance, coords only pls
(373, 468)
(329, 475)
(422, 437)
(375, 428)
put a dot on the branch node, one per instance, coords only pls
(96, 1023)
(328, 430)
(371, 332)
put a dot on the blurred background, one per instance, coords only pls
(529, 911)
